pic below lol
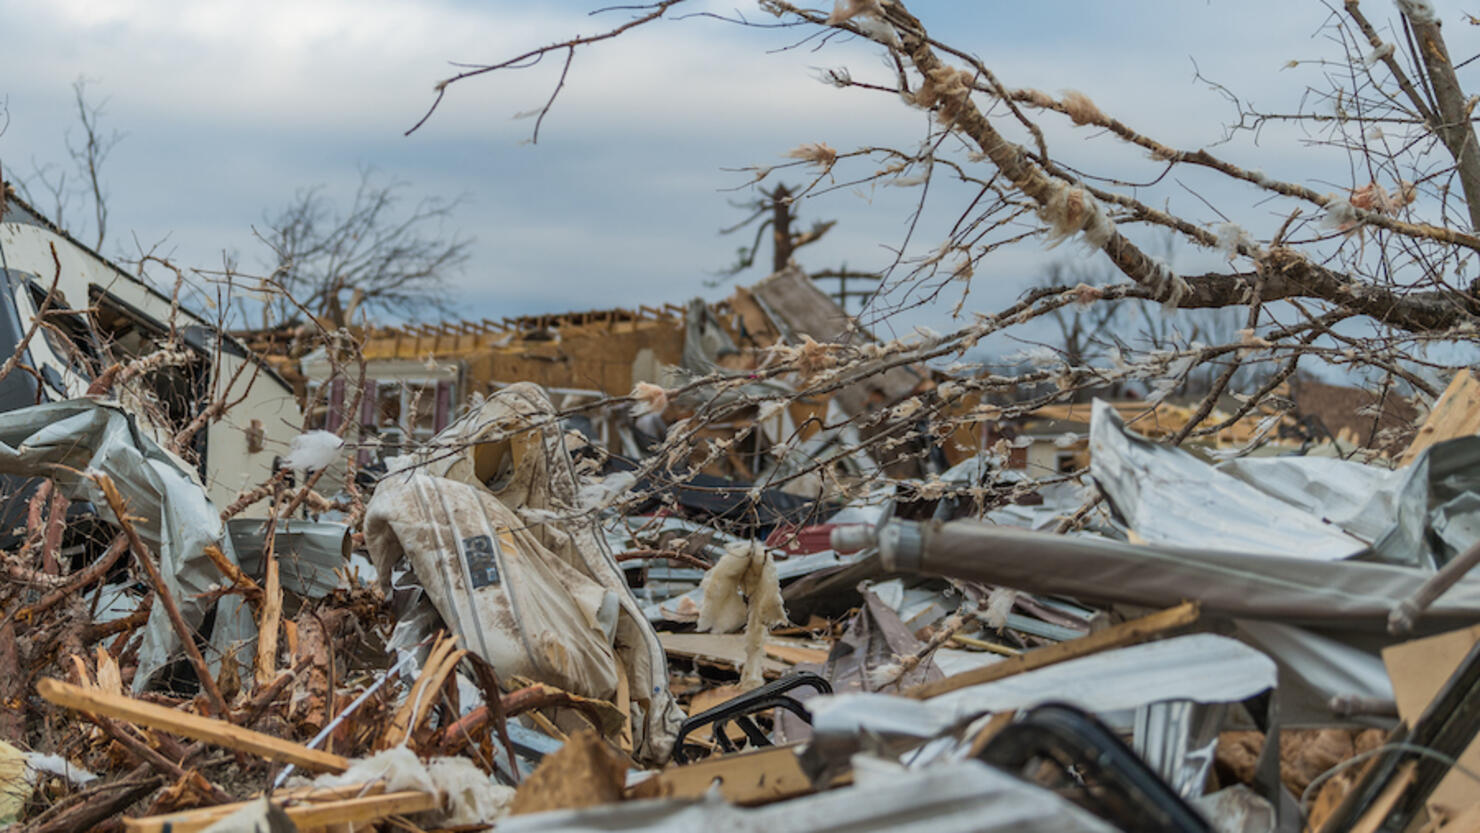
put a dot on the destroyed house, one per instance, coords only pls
(417, 376)
(420, 377)
(99, 316)
(1218, 648)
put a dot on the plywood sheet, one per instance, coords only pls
(1418, 670)
(1456, 414)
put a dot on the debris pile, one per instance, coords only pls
(509, 619)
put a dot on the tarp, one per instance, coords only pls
(513, 602)
(511, 454)
(168, 505)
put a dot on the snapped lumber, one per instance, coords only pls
(1115, 636)
(758, 776)
(186, 724)
(306, 815)
(200, 818)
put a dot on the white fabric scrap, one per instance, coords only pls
(57, 765)
(999, 605)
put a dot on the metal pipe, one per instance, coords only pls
(1343, 594)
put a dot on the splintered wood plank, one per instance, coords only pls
(305, 816)
(725, 649)
(202, 817)
(1115, 636)
(185, 724)
(795, 654)
(1387, 800)
(759, 776)
(624, 705)
(708, 699)
(356, 810)
(584, 772)
(711, 697)
(267, 626)
(1418, 670)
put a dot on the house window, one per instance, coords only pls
(406, 412)
(388, 405)
(318, 408)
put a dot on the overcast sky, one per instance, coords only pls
(228, 107)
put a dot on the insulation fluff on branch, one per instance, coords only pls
(1070, 210)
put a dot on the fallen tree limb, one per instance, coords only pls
(79, 579)
(148, 755)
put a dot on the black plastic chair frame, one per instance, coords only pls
(1127, 792)
(740, 710)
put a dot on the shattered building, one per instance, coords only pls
(523, 617)
(98, 317)
(417, 378)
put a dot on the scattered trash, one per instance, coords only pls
(531, 609)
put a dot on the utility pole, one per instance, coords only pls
(843, 275)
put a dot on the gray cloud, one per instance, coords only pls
(231, 106)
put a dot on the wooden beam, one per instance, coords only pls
(1455, 415)
(186, 724)
(752, 777)
(1115, 636)
(1387, 801)
(423, 695)
(269, 623)
(306, 816)
(233, 573)
(356, 810)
